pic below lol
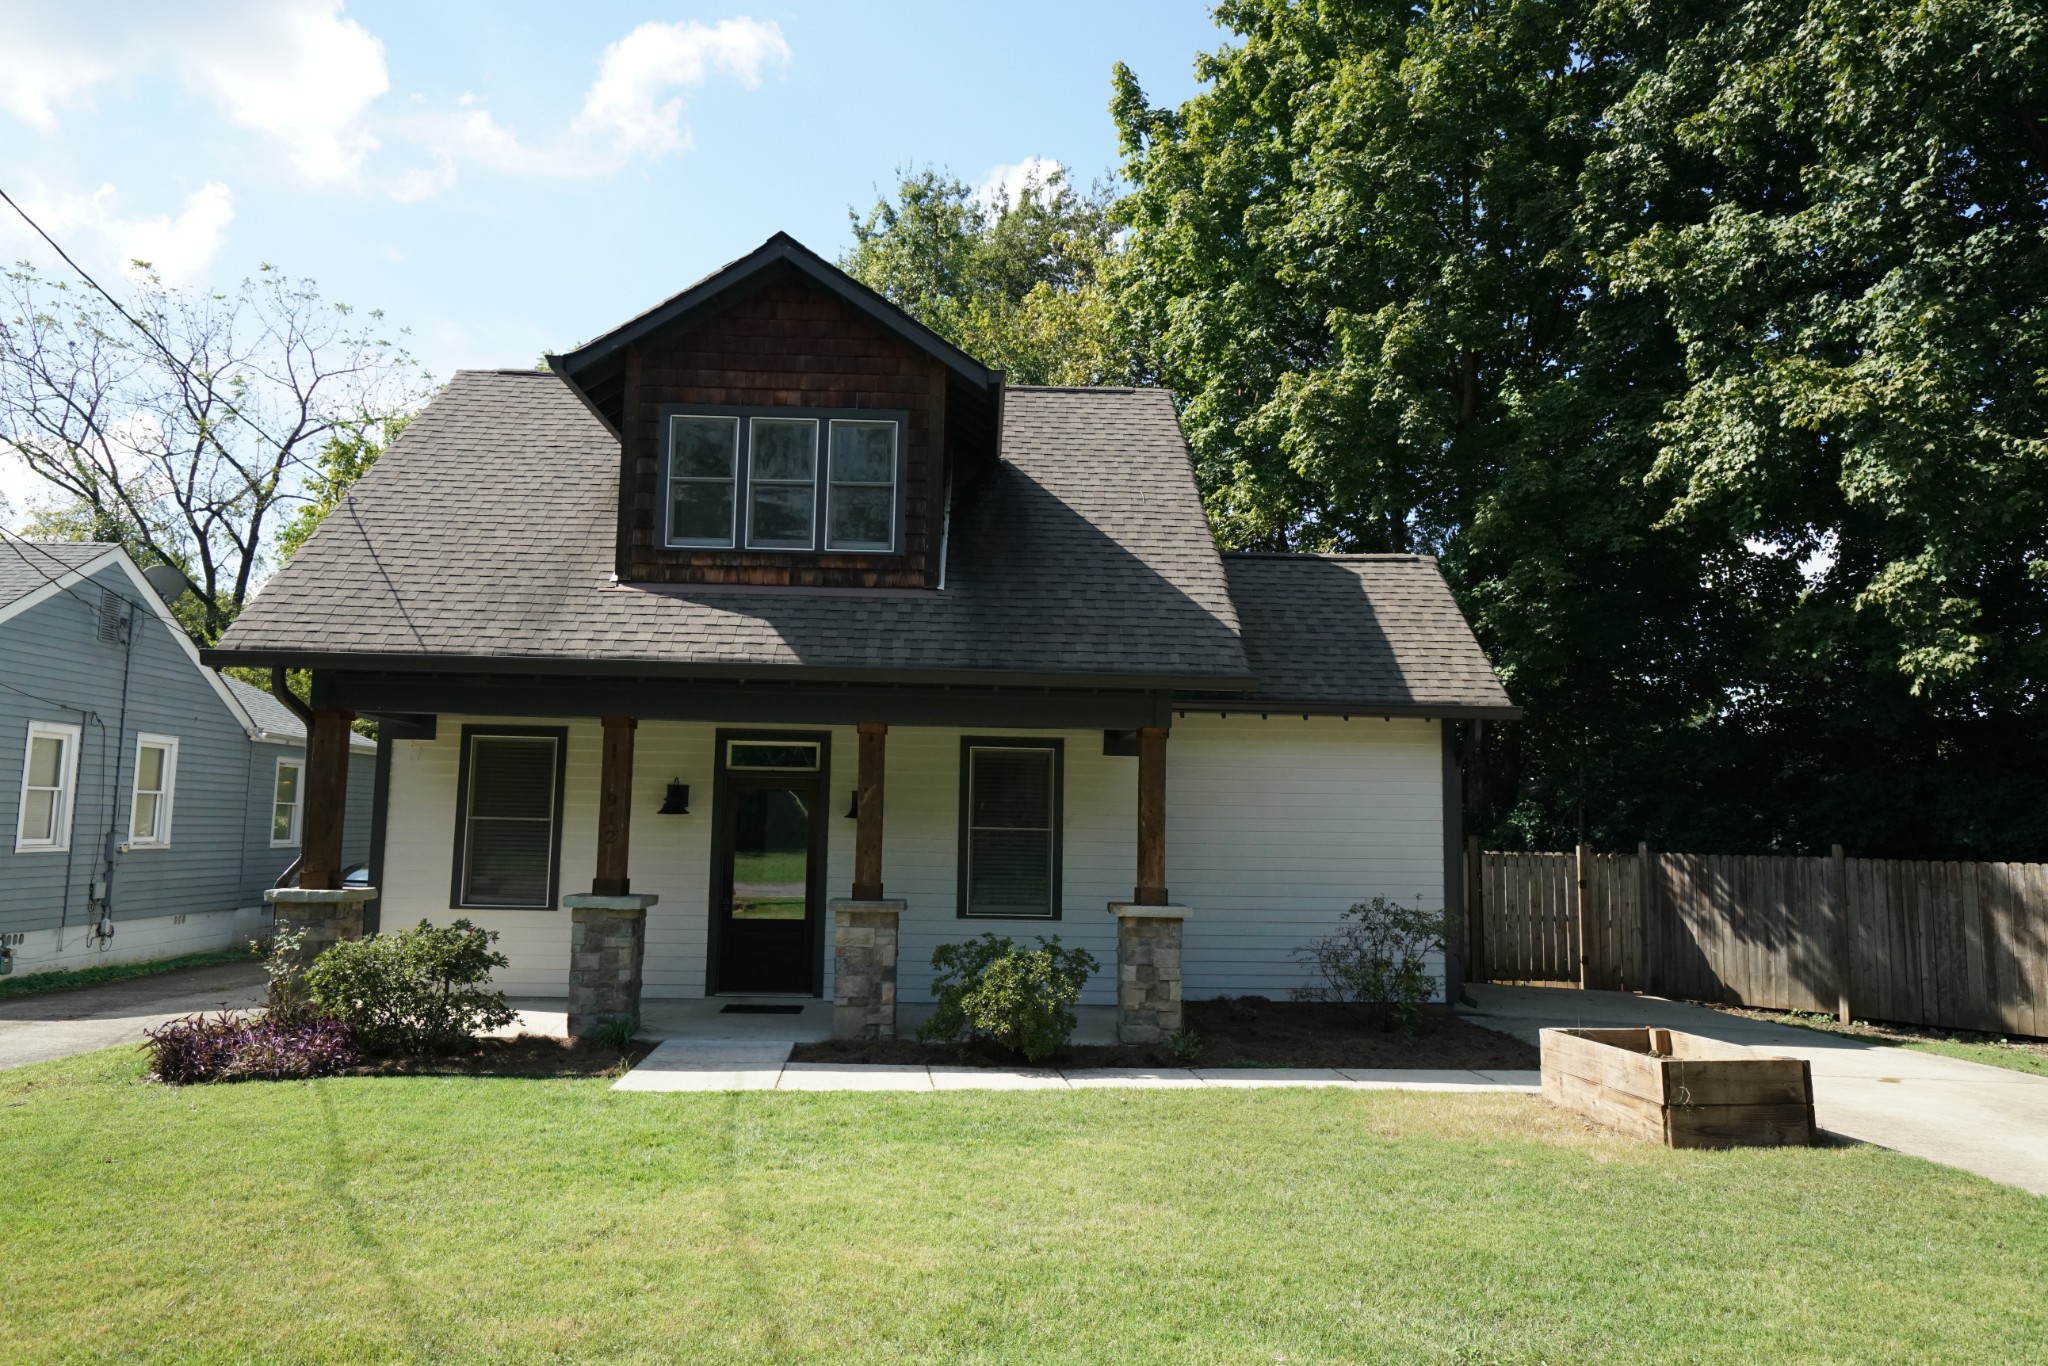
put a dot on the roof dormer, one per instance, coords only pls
(782, 424)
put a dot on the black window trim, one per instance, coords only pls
(742, 529)
(1058, 746)
(560, 735)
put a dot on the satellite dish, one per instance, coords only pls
(167, 579)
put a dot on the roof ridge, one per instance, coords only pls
(1085, 388)
(1340, 555)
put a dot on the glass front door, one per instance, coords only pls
(768, 898)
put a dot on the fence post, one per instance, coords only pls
(1845, 935)
(1579, 897)
(1475, 917)
(1646, 918)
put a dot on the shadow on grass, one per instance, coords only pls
(335, 1181)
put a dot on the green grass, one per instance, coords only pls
(455, 1219)
(35, 982)
(1993, 1050)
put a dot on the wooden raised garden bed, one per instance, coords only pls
(1679, 1089)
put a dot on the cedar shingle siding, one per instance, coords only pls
(787, 344)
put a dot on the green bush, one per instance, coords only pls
(1375, 962)
(421, 990)
(989, 989)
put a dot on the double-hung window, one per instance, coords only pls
(286, 804)
(1010, 828)
(508, 837)
(804, 480)
(49, 776)
(156, 780)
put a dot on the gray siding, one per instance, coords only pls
(262, 863)
(54, 667)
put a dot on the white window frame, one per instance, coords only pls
(298, 803)
(830, 482)
(671, 479)
(755, 481)
(166, 796)
(66, 794)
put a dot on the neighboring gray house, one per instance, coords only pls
(146, 801)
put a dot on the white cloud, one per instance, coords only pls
(180, 248)
(626, 105)
(1004, 184)
(294, 70)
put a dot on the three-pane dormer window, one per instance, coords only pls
(782, 479)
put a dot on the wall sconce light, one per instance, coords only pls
(677, 803)
(853, 805)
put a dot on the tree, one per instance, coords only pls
(1633, 315)
(1017, 284)
(345, 456)
(192, 431)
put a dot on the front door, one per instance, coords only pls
(768, 873)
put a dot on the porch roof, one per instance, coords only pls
(483, 541)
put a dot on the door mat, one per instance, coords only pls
(737, 1008)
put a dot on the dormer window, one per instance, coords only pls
(800, 480)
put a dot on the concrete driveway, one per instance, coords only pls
(1986, 1120)
(57, 1024)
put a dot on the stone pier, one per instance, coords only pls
(864, 969)
(607, 944)
(1148, 939)
(325, 915)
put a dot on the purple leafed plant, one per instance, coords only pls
(238, 1048)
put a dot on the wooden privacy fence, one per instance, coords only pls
(1956, 945)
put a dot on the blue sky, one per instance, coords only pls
(507, 179)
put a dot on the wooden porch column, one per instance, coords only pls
(326, 799)
(1151, 889)
(867, 839)
(614, 807)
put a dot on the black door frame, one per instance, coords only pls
(721, 852)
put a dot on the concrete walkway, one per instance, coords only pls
(57, 1024)
(698, 1064)
(1987, 1120)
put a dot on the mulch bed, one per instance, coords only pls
(1248, 1031)
(529, 1055)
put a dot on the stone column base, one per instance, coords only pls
(1148, 939)
(607, 945)
(325, 915)
(864, 969)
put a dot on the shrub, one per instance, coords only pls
(988, 988)
(1375, 961)
(288, 1000)
(616, 1032)
(1184, 1044)
(422, 990)
(238, 1048)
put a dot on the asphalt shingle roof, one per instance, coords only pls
(27, 567)
(488, 532)
(1359, 630)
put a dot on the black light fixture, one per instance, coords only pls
(677, 803)
(853, 805)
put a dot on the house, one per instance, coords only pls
(769, 641)
(148, 801)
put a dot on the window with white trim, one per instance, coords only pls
(150, 797)
(49, 776)
(783, 479)
(287, 802)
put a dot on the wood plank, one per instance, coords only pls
(1740, 1126)
(1752, 1081)
(1628, 1115)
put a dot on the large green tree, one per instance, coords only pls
(1015, 281)
(1700, 341)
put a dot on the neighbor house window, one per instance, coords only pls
(49, 772)
(156, 776)
(785, 479)
(286, 790)
(509, 818)
(1010, 828)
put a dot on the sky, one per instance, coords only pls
(506, 179)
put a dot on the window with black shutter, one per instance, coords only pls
(1010, 828)
(509, 826)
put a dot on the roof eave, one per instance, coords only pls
(1322, 706)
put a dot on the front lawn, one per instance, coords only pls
(445, 1218)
